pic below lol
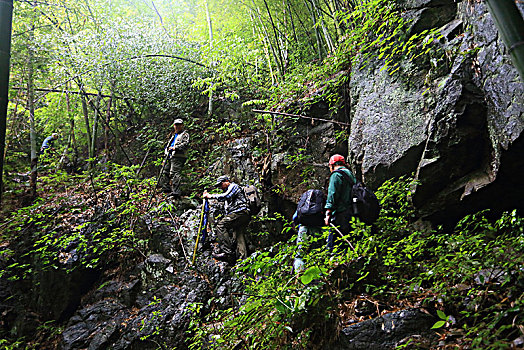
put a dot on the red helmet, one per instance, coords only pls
(336, 158)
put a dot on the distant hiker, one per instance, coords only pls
(310, 218)
(175, 152)
(339, 206)
(48, 143)
(236, 218)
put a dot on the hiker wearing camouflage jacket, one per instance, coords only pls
(236, 218)
(339, 205)
(175, 152)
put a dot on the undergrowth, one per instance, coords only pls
(470, 279)
(79, 222)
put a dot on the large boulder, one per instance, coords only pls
(454, 122)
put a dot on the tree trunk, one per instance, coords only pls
(288, 10)
(334, 11)
(266, 46)
(106, 126)
(304, 27)
(14, 125)
(317, 31)
(322, 24)
(510, 24)
(71, 141)
(6, 17)
(265, 36)
(31, 108)
(210, 27)
(96, 107)
(280, 60)
(88, 127)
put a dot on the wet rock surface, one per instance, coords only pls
(387, 331)
(454, 120)
(150, 304)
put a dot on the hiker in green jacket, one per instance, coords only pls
(339, 205)
(175, 152)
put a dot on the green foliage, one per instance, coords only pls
(16, 345)
(471, 278)
(390, 42)
(443, 320)
(91, 241)
(147, 322)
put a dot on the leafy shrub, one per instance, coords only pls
(470, 278)
(81, 229)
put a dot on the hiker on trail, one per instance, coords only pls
(339, 205)
(175, 152)
(236, 218)
(309, 217)
(48, 143)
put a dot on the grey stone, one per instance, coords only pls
(386, 331)
(456, 135)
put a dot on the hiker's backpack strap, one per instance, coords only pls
(345, 176)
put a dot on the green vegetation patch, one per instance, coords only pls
(470, 279)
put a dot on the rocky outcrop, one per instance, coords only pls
(150, 306)
(454, 120)
(389, 331)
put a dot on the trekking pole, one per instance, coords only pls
(164, 163)
(340, 233)
(199, 229)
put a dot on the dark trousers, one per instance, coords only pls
(341, 221)
(235, 241)
(172, 176)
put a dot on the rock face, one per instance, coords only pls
(150, 306)
(387, 331)
(455, 121)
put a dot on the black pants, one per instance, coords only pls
(341, 221)
(173, 175)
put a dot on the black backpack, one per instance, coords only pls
(310, 207)
(253, 199)
(365, 202)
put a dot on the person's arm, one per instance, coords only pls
(230, 192)
(182, 141)
(167, 148)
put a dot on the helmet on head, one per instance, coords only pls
(336, 158)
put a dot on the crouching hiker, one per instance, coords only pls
(309, 218)
(47, 145)
(339, 203)
(231, 245)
